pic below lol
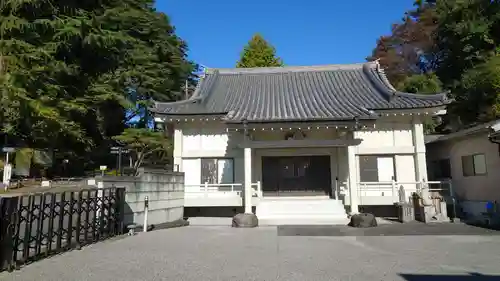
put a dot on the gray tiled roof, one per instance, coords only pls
(331, 92)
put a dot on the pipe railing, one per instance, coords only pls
(223, 188)
(257, 189)
(393, 187)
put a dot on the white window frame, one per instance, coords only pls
(378, 157)
(474, 158)
(227, 179)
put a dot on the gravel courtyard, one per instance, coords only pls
(285, 253)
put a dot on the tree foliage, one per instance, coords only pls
(156, 67)
(144, 144)
(409, 49)
(258, 53)
(467, 34)
(478, 93)
(427, 83)
(75, 73)
(49, 76)
(455, 40)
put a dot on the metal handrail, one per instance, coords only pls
(236, 188)
(393, 187)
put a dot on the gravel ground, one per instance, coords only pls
(224, 253)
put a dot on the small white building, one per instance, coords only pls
(304, 141)
(470, 158)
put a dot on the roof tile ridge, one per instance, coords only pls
(195, 97)
(215, 79)
(438, 96)
(381, 84)
(383, 76)
(285, 69)
(196, 92)
(395, 93)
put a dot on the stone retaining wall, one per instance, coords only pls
(164, 189)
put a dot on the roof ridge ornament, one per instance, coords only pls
(377, 65)
(384, 78)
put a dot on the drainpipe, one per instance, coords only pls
(492, 140)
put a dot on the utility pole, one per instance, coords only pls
(186, 90)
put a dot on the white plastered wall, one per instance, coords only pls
(391, 136)
(402, 138)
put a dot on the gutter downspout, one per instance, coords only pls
(492, 140)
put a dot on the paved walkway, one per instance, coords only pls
(223, 253)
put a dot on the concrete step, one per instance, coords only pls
(300, 211)
(302, 221)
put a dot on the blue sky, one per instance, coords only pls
(303, 32)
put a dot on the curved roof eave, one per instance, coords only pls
(389, 89)
(195, 97)
(438, 96)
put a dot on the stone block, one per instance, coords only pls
(429, 214)
(406, 213)
(363, 220)
(444, 210)
(245, 220)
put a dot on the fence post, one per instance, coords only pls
(450, 189)
(453, 200)
(259, 189)
(336, 190)
(146, 209)
(8, 219)
(119, 209)
(394, 187)
(422, 184)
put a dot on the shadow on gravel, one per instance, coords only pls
(470, 277)
(414, 228)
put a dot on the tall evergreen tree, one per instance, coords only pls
(71, 70)
(258, 53)
(54, 56)
(157, 67)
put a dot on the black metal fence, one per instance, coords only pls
(38, 225)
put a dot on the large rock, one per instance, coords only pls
(245, 220)
(363, 220)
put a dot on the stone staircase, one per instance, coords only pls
(301, 211)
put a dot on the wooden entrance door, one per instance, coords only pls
(296, 176)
